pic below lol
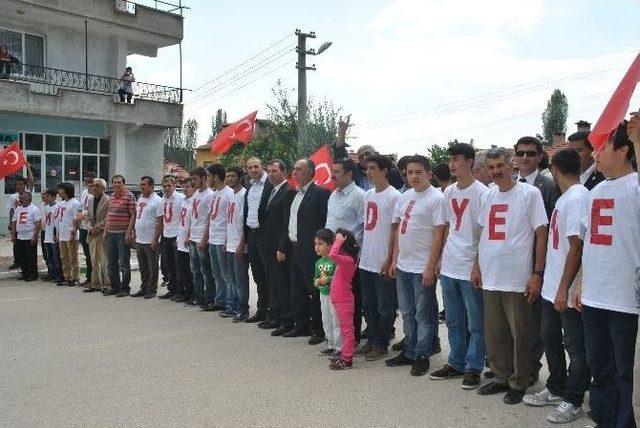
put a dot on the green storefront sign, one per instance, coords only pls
(8, 137)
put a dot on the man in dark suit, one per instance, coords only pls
(528, 152)
(307, 215)
(274, 246)
(255, 205)
(589, 175)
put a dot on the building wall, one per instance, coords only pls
(204, 157)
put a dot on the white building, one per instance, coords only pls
(60, 100)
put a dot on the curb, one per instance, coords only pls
(12, 274)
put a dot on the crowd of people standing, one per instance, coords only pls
(528, 264)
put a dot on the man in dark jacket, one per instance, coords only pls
(589, 175)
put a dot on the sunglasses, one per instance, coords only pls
(527, 153)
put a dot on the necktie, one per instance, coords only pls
(271, 195)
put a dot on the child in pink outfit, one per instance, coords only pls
(344, 253)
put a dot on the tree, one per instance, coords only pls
(554, 118)
(438, 154)
(180, 144)
(218, 122)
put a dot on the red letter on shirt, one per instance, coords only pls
(555, 236)
(194, 210)
(23, 218)
(459, 211)
(494, 221)
(215, 204)
(230, 210)
(141, 206)
(183, 215)
(406, 217)
(372, 216)
(169, 217)
(597, 220)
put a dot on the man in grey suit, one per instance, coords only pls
(528, 152)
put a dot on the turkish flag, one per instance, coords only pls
(616, 108)
(322, 177)
(11, 160)
(241, 130)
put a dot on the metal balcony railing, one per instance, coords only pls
(131, 7)
(52, 78)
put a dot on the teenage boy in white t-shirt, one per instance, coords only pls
(25, 230)
(148, 231)
(184, 276)
(512, 215)
(376, 257)
(67, 233)
(216, 233)
(561, 326)
(420, 214)
(463, 303)
(171, 204)
(610, 295)
(49, 221)
(203, 286)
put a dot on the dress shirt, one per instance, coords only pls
(587, 173)
(531, 178)
(346, 209)
(295, 206)
(253, 201)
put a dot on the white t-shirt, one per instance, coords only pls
(201, 204)
(171, 214)
(26, 218)
(462, 210)
(218, 215)
(379, 210)
(68, 211)
(417, 214)
(509, 221)
(84, 201)
(235, 215)
(611, 255)
(184, 223)
(50, 213)
(147, 211)
(14, 202)
(566, 221)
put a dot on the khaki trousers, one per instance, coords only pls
(99, 275)
(508, 333)
(69, 257)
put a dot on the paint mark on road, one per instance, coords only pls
(18, 299)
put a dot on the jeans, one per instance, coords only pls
(610, 340)
(417, 305)
(220, 272)
(53, 260)
(122, 93)
(560, 331)
(204, 290)
(379, 297)
(118, 255)
(168, 251)
(465, 313)
(86, 251)
(239, 275)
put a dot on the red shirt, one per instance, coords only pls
(120, 211)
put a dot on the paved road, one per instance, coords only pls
(69, 358)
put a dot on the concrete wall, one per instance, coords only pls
(136, 151)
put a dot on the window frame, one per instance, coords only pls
(22, 34)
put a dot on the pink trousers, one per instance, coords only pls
(344, 310)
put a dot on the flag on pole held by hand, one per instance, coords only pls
(617, 107)
(241, 130)
(11, 160)
(322, 159)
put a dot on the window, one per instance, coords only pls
(89, 145)
(27, 48)
(104, 146)
(72, 144)
(72, 168)
(33, 142)
(54, 143)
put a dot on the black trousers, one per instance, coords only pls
(305, 299)
(184, 278)
(278, 279)
(168, 251)
(257, 263)
(27, 257)
(357, 310)
(85, 250)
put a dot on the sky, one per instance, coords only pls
(412, 73)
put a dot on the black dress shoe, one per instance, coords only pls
(212, 307)
(122, 294)
(33, 278)
(178, 298)
(14, 266)
(256, 318)
(191, 303)
(268, 325)
(296, 332)
(280, 331)
(513, 396)
(109, 292)
(139, 293)
(492, 388)
(315, 339)
(166, 295)
(150, 295)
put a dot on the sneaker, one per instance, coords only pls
(471, 380)
(376, 353)
(420, 366)
(564, 413)
(326, 352)
(72, 283)
(227, 314)
(492, 388)
(513, 396)
(363, 350)
(542, 398)
(240, 318)
(340, 365)
(446, 372)
(335, 356)
(399, 360)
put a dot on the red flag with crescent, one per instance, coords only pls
(322, 159)
(11, 160)
(241, 130)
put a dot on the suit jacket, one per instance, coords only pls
(274, 228)
(312, 216)
(266, 191)
(99, 220)
(550, 193)
(594, 179)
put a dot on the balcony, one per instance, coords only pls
(54, 92)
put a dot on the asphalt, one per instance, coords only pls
(69, 358)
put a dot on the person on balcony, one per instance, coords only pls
(126, 87)
(6, 59)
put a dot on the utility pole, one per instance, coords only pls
(301, 65)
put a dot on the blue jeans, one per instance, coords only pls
(203, 286)
(417, 304)
(118, 255)
(52, 258)
(220, 273)
(239, 275)
(379, 301)
(610, 340)
(465, 315)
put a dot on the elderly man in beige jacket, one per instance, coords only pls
(96, 215)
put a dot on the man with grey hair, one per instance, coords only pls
(96, 219)
(479, 171)
(511, 217)
(25, 230)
